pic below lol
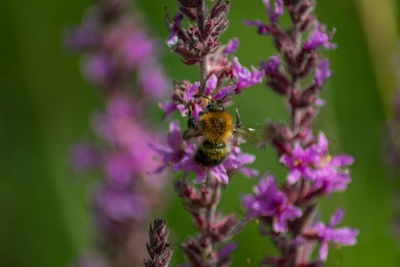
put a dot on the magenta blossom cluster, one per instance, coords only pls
(221, 77)
(115, 47)
(119, 58)
(222, 71)
(288, 212)
(178, 156)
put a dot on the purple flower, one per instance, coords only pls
(263, 29)
(120, 205)
(299, 163)
(274, 14)
(173, 36)
(82, 37)
(153, 81)
(98, 69)
(234, 162)
(191, 91)
(168, 108)
(175, 150)
(245, 78)
(231, 46)
(319, 38)
(136, 48)
(344, 236)
(84, 156)
(268, 201)
(330, 174)
(272, 65)
(119, 169)
(211, 84)
(221, 93)
(322, 73)
(179, 155)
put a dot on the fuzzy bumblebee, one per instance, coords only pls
(216, 125)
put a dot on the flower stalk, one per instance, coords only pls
(158, 247)
(290, 212)
(221, 77)
(115, 48)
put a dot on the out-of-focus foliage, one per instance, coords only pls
(45, 105)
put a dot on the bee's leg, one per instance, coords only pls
(193, 129)
(191, 121)
(238, 121)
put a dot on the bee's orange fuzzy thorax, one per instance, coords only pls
(217, 126)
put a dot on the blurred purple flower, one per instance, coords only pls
(173, 37)
(231, 46)
(299, 163)
(274, 14)
(84, 156)
(268, 201)
(136, 49)
(98, 69)
(272, 65)
(175, 150)
(120, 205)
(263, 29)
(153, 81)
(318, 38)
(245, 78)
(322, 73)
(343, 236)
(330, 174)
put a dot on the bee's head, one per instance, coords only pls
(215, 106)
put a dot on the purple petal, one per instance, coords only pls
(174, 138)
(294, 176)
(319, 102)
(220, 173)
(336, 217)
(98, 68)
(262, 28)
(181, 109)
(323, 253)
(292, 212)
(345, 236)
(168, 107)
(273, 14)
(250, 205)
(271, 66)
(210, 85)
(201, 176)
(173, 37)
(249, 172)
(318, 38)
(322, 143)
(231, 46)
(342, 161)
(322, 73)
(226, 250)
(221, 93)
(190, 92)
(279, 224)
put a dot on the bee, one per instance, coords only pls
(217, 127)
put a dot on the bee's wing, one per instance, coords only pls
(253, 134)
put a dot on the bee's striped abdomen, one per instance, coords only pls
(210, 154)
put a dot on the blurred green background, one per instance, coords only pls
(45, 106)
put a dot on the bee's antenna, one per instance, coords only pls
(212, 100)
